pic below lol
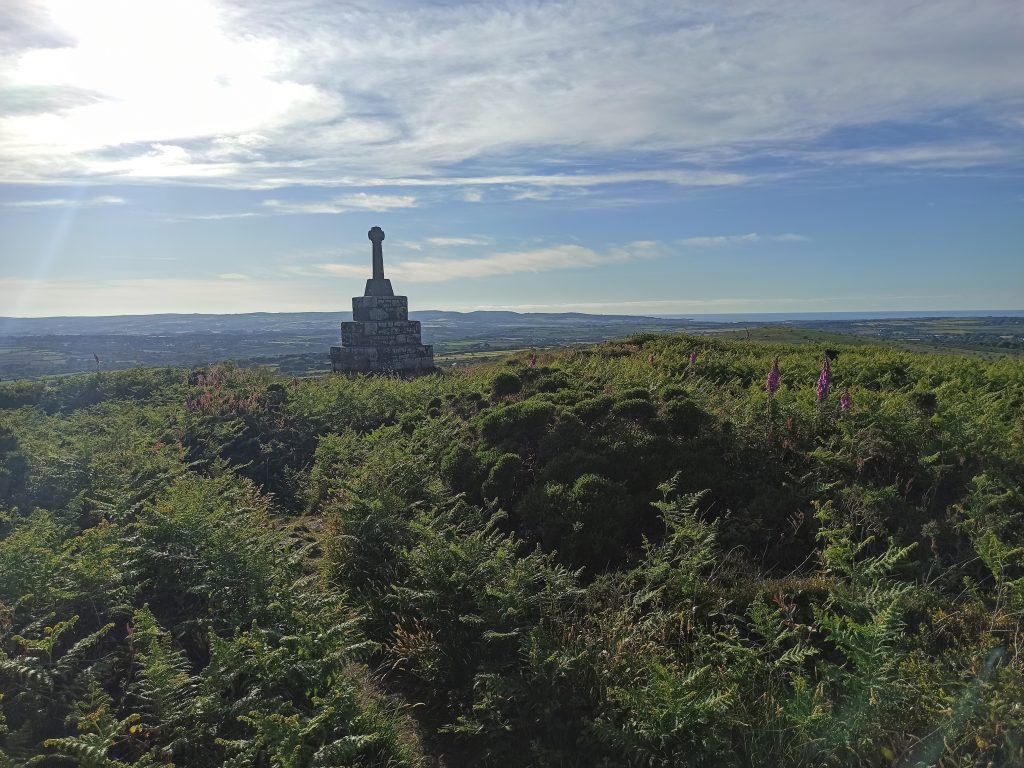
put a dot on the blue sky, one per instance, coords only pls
(628, 156)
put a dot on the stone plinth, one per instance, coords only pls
(409, 358)
(388, 333)
(381, 338)
(375, 308)
(378, 286)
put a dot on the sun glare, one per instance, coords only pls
(153, 71)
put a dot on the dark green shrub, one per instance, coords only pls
(13, 467)
(594, 409)
(567, 432)
(674, 392)
(683, 417)
(568, 464)
(636, 408)
(461, 469)
(503, 479)
(590, 522)
(505, 384)
(926, 401)
(552, 382)
(517, 422)
(16, 394)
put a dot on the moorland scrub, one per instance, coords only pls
(663, 551)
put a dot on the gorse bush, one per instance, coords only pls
(662, 551)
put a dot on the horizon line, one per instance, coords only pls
(879, 313)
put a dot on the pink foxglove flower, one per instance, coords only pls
(693, 357)
(824, 379)
(845, 401)
(771, 385)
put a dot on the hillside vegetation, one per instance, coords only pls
(627, 554)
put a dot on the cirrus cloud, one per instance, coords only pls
(345, 204)
(750, 237)
(273, 94)
(457, 241)
(62, 202)
(556, 257)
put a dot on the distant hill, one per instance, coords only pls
(298, 342)
(294, 342)
(326, 322)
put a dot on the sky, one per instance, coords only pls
(618, 156)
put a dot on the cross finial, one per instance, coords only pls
(376, 236)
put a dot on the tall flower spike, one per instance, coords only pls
(771, 385)
(824, 379)
(845, 401)
(693, 357)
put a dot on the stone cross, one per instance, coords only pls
(378, 285)
(380, 337)
(376, 236)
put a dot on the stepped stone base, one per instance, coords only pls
(381, 338)
(408, 358)
(387, 333)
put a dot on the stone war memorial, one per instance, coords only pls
(380, 337)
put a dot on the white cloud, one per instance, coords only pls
(366, 202)
(535, 194)
(209, 216)
(541, 181)
(61, 202)
(358, 202)
(960, 155)
(439, 270)
(750, 237)
(457, 241)
(233, 276)
(270, 94)
(284, 206)
(159, 74)
(717, 240)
